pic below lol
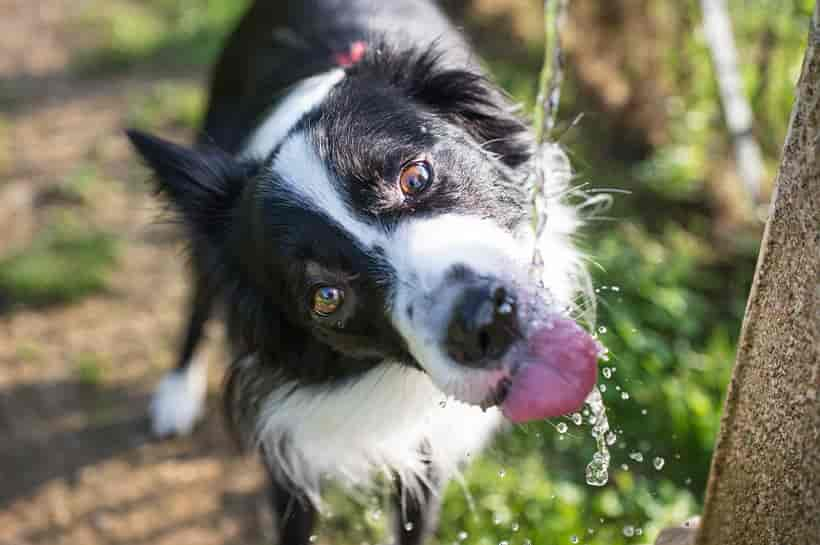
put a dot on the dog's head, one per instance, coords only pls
(380, 215)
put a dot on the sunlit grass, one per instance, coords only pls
(5, 143)
(159, 32)
(89, 369)
(168, 104)
(62, 265)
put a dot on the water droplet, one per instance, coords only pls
(423, 129)
(658, 463)
(497, 519)
(573, 539)
(577, 419)
(504, 308)
(561, 427)
(607, 372)
(643, 412)
(503, 543)
(515, 527)
(597, 470)
(526, 542)
(611, 438)
(638, 531)
(501, 473)
(625, 467)
(629, 531)
(590, 531)
(340, 325)
(313, 538)
(688, 481)
(637, 456)
(615, 288)
(408, 526)
(376, 514)
(462, 535)
(602, 387)
(602, 330)
(624, 395)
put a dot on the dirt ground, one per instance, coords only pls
(77, 464)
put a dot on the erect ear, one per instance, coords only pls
(201, 184)
(473, 102)
(463, 96)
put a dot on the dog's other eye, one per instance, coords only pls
(327, 300)
(415, 177)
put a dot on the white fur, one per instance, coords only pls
(307, 179)
(422, 252)
(303, 97)
(376, 423)
(179, 399)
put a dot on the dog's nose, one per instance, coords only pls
(483, 325)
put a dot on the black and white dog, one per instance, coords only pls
(356, 204)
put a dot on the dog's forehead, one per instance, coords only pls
(309, 182)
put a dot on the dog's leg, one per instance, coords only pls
(178, 400)
(295, 517)
(416, 515)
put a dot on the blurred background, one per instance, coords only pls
(91, 285)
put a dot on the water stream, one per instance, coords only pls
(554, 163)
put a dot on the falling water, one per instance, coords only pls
(554, 164)
(597, 473)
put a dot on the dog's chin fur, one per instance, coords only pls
(392, 420)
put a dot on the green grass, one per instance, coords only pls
(29, 352)
(89, 369)
(61, 265)
(168, 104)
(173, 33)
(5, 145)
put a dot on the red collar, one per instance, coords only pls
(353, 55)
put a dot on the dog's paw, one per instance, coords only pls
(178, 401)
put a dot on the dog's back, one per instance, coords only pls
(279, 43)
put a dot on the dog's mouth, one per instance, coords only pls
(549, 373)
(532, 362)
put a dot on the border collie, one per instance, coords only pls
(357, 205)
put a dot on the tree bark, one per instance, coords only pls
(764, 485)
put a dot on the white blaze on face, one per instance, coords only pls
(423, 252)
(304, 97)
(307, 180)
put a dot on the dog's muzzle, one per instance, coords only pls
(485, 335)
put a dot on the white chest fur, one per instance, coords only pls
(377, 423)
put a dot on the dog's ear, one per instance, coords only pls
(201, 184)
(477, 105)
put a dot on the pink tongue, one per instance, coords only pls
(558, 372)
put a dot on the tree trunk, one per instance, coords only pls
(764, 485)
(736, 109)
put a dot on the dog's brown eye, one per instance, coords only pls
(415, 178)
(327, 300)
